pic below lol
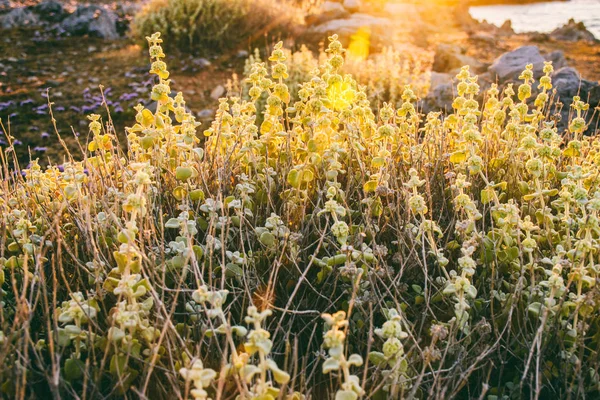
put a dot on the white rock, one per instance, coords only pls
(217, 92)
(352, 5)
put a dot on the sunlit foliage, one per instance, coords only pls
(449, 256)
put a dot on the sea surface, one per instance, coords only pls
(542, 16)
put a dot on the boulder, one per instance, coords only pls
(572, 32)
(206, 114)
(438, 78)
(5, 5)
(506, 29)
(439, 98)
(538, 37)
(558, 59)
(217, 92)
(449, 57)
(509, 65)
(377, 28)
(19, 18)
(51, 11)
(93, 21)
(485, 37)
(568, 83)
(328, 11)
(352, 5)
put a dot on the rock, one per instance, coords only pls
(328, 11)
(439, 98)
(539, 37)
(568, 83)
(376, 28)
(437, 78)
(93, 21)
(217, 92)
(558, 59)
(19, 18)
(449, 57)
(506, 29)
(206, 114)
(485, 37)
(510, 65)
(572, 32)
(352, 5)
(51, 11)
(201, 62)
(5, 5)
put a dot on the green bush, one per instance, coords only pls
(214, 25)
(323, 252)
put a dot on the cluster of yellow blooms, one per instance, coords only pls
(140, 262)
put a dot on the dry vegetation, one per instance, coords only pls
(313, 250)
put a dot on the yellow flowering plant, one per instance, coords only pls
(462, 247)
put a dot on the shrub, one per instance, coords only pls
(214, 25)
(384, 75)
(449, 257)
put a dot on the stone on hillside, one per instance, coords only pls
(568, 83)
(572, 32)
(510, 65)
(50, 10)
(93, 21)
(378, 28)
(328, 11)
(217, 92)
(485, 37)
(439, 78)
(206, 114)
(439, 98)
(449, 57)
(19, 18)
(506, 29)
(558, 59)
(5, 5)
(352, 5)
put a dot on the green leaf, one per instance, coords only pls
(377, 358)
(458, 157)
(197, 195)
(346, 395)
(535, 308)
(73, 369)
(331, 364)
(487, 195)
(370, 186)
(377, 162)
(267, 239)
(183, 173)
(118, 365)
(172, 223)
(233, 270)
(293, 178)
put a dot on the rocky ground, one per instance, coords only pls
(69, 49)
